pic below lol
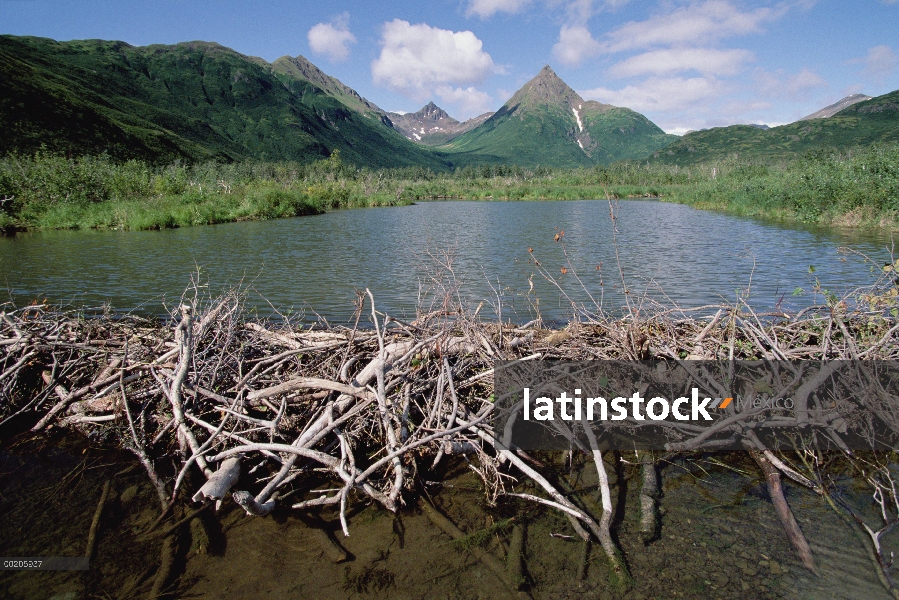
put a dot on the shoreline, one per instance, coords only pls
(856, 219)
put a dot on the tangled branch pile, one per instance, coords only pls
(265, 410)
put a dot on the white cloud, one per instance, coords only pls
(880, 63)
(468, 102)
(579, 10)
(332, 39)
(698, 23)
(708, 61)
(661, 94)
(793, 87)
(487, 8)
(575, 45)
(417, 59)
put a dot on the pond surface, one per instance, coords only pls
(669, 253)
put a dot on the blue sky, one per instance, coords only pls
(684, 64)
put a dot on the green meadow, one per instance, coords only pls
(47, 191)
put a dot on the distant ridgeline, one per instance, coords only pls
(194, 101)
(860, 124)
(198, 101)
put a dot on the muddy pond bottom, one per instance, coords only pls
(719, 537)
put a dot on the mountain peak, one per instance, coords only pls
(433, 112)
(546, 88)
(547, 71)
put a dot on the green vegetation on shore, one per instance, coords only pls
(849, 188)
(51, 192)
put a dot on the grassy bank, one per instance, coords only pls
(52, 192)
(858, 188)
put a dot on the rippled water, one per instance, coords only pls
(675, 253)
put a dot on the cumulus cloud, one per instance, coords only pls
(469, 102)
(708, 61)
(797, 86)
(698, 23)
(575, 45)
(417, 59)
(661, 94)
(332, 39)
(488, 8)
(421, 62)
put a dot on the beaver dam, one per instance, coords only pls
(219, 456)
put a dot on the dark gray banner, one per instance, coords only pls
(687, 405)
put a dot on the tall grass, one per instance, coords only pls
(859, 187)
(49, 191)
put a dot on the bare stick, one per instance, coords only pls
(95, 523)
(791, 527)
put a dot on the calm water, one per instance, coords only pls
(313, 264)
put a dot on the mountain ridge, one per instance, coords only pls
(199, 101)
(192, 100)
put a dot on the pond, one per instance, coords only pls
(310, 266)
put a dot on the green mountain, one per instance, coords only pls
(194, 100)
(547, 123)
(861, 124)
(290, 69)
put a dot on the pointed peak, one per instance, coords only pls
(545, 88)
(431, 111)
(547, 70)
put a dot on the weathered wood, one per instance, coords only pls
(217, 486)
(649, 494)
